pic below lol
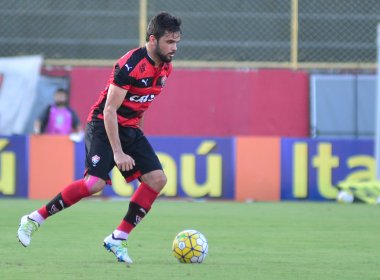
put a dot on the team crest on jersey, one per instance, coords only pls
(95, 159)
(142, 67)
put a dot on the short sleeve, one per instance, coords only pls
(122, 77)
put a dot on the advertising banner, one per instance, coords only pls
(310, 169)
(51, 165)
(13, 166)
(244, 168)
(195, 167)
(257, 168)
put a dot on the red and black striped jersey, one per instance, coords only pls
(135, 72)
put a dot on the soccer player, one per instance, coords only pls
(114, 135)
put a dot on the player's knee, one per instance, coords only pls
(161, 181)
(156, 180)
(94, 184)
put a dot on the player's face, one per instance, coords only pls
(166, 46)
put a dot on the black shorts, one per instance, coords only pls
(99, 154)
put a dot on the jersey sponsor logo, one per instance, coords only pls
(142, 99)
(145, 81)
(95, 159)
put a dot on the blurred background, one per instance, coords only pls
(269, 100)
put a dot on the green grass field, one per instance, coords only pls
(246, 241)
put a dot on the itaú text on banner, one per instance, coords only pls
(14, 172)
(241, 168)
(310, 169)
(195, 167)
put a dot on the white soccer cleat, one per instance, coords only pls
(26, 229)
(119, 248)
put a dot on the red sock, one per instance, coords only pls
(75, 192)
(140, 204)
(144, 196)
(125, 226)
(69, 196)
(43, 212)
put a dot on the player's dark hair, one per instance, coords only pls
(161, 23)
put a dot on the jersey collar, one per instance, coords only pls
(151, 61)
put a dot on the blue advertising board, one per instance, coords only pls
(14, 166)
(310, 169)
(196, 167)
(79, 159)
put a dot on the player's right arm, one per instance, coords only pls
(115, 98)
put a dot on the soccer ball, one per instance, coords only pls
(190, 246)
(345, 197)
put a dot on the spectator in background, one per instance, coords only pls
(58, 118)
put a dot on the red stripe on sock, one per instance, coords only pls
(75, 192)
(43, 212)
(125, 226)
(144, 196)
